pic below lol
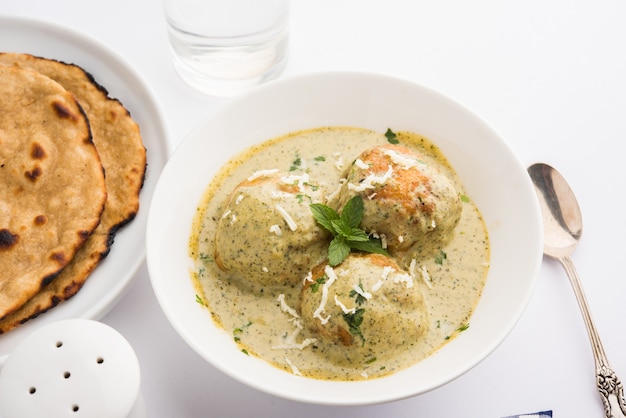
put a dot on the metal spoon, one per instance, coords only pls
(562, 224)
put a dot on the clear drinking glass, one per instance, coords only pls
(224, 47)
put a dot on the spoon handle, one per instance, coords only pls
(607, 381)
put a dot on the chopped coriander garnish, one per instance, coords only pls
(320, 158)
(300, 197)
(239, 330)
(313, 187)
(440, 257)
(345, 229)
(295, 164)
(316, 285)
(243, 350)
(200, 300)
(371, 360)
(464, 198)
(459, 329)
(354, 321)
(358, 297)
(463, 327)
(391, 137)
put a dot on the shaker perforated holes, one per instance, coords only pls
(72, 368)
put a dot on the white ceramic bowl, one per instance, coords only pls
(492, 175)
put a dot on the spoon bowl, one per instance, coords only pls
(563, 224)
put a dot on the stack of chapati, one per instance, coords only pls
(72, 164)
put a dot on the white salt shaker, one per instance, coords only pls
(72, 368)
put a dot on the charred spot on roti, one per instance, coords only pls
(84, 235)
(40, 220)
(7, 239)
(59, 257)
(34, 174)
(37, 152)
(63, 111)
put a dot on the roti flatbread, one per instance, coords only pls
(118, 141)
(52, 188)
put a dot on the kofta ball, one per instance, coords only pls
(406, 200)
(365, 308)
(267, 235)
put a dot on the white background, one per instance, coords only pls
(549, 76)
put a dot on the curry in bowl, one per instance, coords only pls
(339, 253)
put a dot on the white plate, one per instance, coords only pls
(112, 277)
(493, 177)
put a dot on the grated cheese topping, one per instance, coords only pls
(294, 369)
(361, 292)
(338, 161)
(359, 163)
(239, 199)
(402, 160)
(280, 195)
(299, 180)
(337, 190)
(404, 278)
(426, 277)
(387, 270)
(343, 307)
(290, 341)
(275, 229)
(371, 181)
(423, 272)
(330, 273)
(285, 307)
(262, 173)
(412, 267)
(290, 222)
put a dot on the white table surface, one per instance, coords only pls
(549, 76)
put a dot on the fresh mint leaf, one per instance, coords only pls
(372, 245)
(324, 216)
(345, 229)
(357, 235)
(352, 212)
(338, 250)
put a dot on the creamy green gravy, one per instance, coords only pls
(255, 319)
